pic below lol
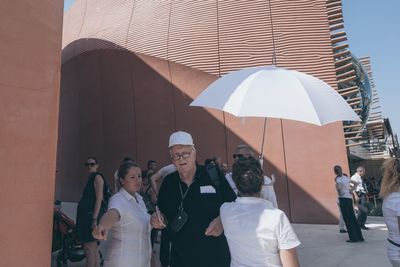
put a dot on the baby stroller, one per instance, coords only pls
(65, 239)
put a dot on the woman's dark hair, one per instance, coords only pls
(124, 168)
(150, 162)
(209, 161)
(248, 176)
(92, 158)
(338, 170)
(127, 159)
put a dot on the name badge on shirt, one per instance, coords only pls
(207, 189)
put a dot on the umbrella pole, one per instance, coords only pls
(262, 144)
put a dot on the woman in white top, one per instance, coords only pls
(390, 191)
(129, 222)
(258, 234)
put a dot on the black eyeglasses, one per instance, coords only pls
(183, 155)
(238, 156)
(91, 164)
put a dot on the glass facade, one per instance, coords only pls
(362, 98)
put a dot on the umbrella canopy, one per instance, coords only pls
(273, 92)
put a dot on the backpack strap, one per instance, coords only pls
(213, 173)
(106, 191)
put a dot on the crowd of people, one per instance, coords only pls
(353, 199)
(209, 216)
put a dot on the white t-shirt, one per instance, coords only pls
(164, 171)
(344, 186)
(130, 240)
(256, 231)
(357, 178)
(267, 190)
(391, 210)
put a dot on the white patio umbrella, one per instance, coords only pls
(272, 92)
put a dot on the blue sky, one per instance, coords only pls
(67, 4)
(372, 28)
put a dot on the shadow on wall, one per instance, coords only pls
(115, 103)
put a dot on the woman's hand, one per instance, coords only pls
(107, 221)
(100, 232)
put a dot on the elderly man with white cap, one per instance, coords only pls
(189, 201)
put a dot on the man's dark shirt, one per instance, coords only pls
(191, 246)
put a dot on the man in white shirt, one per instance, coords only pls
(362, 195)
(267, 191)
(156, 179)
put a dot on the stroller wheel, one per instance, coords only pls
(61, 261)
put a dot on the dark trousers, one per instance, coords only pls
(153, 236)
(352, 226)
(362, 209)
(165, 249)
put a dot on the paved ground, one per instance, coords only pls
(322, 245)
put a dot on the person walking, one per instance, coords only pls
(346, 206)
(129, 221)
(342, 226)
(361, 191)
(390, 192)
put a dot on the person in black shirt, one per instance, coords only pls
(191, 193)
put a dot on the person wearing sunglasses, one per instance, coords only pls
(90, 210)
(189, 202)
(267, 191)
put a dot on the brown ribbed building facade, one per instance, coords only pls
(30, 56)
(131, 68)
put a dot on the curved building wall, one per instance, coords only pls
(131, 68)
(29, 94)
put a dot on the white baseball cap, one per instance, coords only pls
(180, 138)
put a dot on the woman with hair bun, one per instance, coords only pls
(258, 234)
(390, 192)
(129, 222)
